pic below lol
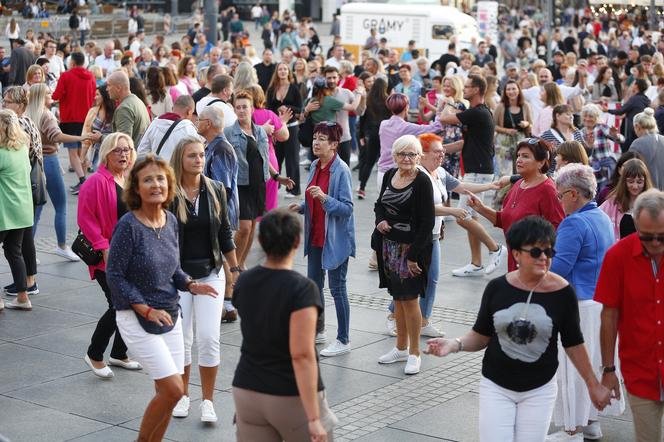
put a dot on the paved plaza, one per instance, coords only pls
(47, 393)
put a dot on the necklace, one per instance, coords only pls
(524, 313)
(156, 230)
(518, 192)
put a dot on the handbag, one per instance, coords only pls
(84, 250)
(198, 268)
(306, 133)
(38, 181)
(155, 329)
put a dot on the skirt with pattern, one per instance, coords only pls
(402, 286)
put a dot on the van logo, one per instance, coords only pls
(382, 26)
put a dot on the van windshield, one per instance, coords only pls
(442, 32)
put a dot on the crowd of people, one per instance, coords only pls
(181, 151)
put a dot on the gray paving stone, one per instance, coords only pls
(111, 434)
(41, 320)
(22, 421)
(343, 384)
(73, 341)
(88, 300)
(395, 435)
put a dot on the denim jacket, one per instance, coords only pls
(238, 140)
(339, 219)
(413, 92)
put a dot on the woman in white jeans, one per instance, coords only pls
(204, 235)
(520, 318)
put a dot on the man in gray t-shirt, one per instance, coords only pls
(345, 96)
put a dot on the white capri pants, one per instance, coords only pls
(207, 311)
(512, 416)
(161, 355)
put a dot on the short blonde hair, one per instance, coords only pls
(404, 142)
(111, 142)
(11, 135)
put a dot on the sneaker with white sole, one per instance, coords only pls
(592, 431)
(13, 304)
(2, 305)
(563, 436)
(469, 270)
(431, 332)
(413, 365)
(305, 162)
(11, 290)
(207, 411)
(394, 355)
(182, 407)
(66, 253)
(335, 349)
(495, 259)
(391, 325)
(321, 338)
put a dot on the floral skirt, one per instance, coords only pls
(402, 286)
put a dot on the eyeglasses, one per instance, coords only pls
(122, 150)
(562, 195)
(409, 155)
(648, 237)
(536, 252)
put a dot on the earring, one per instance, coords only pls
(517, 265)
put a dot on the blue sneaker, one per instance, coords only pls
(10, 290)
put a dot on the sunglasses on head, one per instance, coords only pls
(536, 252)
(650, 237)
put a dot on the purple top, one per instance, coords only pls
(393, 128)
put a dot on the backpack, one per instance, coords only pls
(73, 22)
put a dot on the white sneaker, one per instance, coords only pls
(592, 431)
(335, 349)
(391, 325)
(305, 162)
(289, 196)
(353, 158)
(496, 258)
(2, 304)
(66, 253)
(207, 411)
(469, 270)
(321, 338)
(394, 355)
(431, 332)
(563, 436)
(413, 365)
(182, 407)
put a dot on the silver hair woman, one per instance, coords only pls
(583, 238)
(245, 76)
(650, 144)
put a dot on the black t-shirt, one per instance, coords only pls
(265, 299)
(478, 130)
(202, 92)
(264, 73)
(196, 242)
(523, 351)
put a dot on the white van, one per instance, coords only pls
(430, 26)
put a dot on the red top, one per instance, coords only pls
(540, 200)
(321, 179)
(76, 93)
(627, 282)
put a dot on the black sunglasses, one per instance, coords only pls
(536, 252)
(651, 238)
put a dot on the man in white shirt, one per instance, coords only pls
(337, 57)
(256, 12)
(532, 94)
(55, 63)
(221, 91)
(106, 61)
(183, 111)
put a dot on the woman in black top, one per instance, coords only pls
(403, 241)
(519, 328)
(277, 387)
(204, 235)
(283, 93)
(369, 124)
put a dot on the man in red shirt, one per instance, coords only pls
(76, 93)
(631, 288)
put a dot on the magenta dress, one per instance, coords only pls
(260, 117)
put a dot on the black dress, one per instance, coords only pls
(252, 196)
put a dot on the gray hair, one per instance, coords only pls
(579, 177)
(646, 121)
(652, 201)
(591, 110)
(404, 142)
(346, 66)
(215, 115)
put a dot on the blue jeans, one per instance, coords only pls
(337, 280)
(55, 186)
(426, 303)
(352, 124)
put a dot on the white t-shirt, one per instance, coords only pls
(56, 66)
(256, 12)
(440, 189)
(229, 113)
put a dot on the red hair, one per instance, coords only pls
(426, 140)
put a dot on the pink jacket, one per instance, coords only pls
(98, 211)
(615, 214)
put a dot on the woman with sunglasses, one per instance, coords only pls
(533, 194)
(634, 180)
(583, 238)
(521, 316)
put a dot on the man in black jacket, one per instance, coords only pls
(21, 59)
(265, 69)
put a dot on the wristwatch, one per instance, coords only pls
(275, 176)
(235, 269)
(611, 369)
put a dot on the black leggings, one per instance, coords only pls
(12, 243)
(105, 328)
(372, 147)
(289, 150)
(29, 252)
(344, 151)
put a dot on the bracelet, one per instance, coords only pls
(460, 342)
(235, 269)
(275, 176)
(147, 315)
(610, 369)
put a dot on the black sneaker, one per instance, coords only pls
(8, 287)
(75, 189)
(34, 290)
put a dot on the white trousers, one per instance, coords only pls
(160, 355)
(207, 311)
(512, 416)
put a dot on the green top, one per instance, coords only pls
(328, 110)
(131, 117)
(15, 189)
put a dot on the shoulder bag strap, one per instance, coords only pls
(166, 135)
